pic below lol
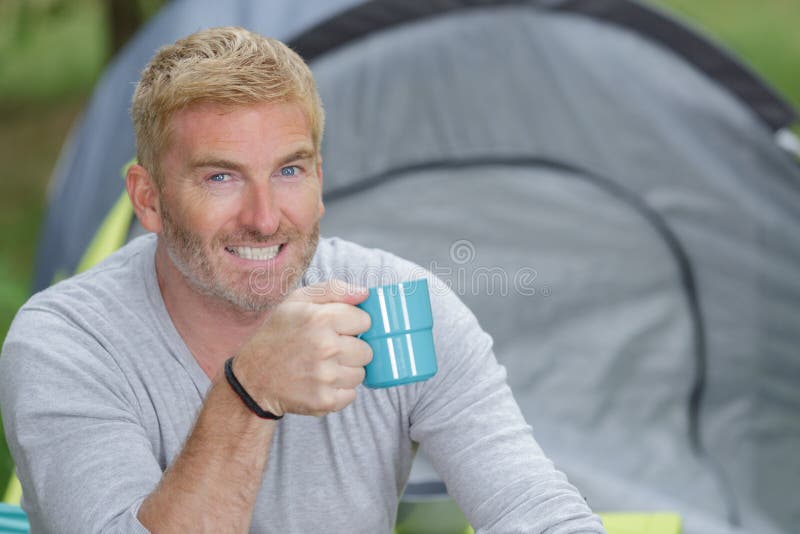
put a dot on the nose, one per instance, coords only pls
(259, 209)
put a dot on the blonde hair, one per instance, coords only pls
(229, 66)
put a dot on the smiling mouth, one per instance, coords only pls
(255, 253)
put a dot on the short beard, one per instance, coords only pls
(265, 290)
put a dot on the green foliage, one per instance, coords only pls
(51, 52)
(763, 34)
(30, 138)
(22, 200)
(49, 49)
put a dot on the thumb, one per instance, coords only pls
(331, 291)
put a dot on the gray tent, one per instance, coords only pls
(608, 191)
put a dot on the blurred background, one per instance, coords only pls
(53, 51)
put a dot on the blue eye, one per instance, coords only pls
(220, 177)
(289, 171)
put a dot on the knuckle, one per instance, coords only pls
(299, 314)
(327, 377)
(316, 413)
(324, 316)
(316, 313)
(327, 401)
(352, 380)
(327, 348)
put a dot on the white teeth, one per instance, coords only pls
(257, 254)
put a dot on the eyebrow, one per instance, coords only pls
(216, 162)
(302, 154)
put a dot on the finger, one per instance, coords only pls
(346, 319)
(331, 291)
(354, 352)
(349, 377)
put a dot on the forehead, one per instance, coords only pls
(261, 127)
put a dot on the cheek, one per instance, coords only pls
(303, 218)
(301, 205)
(205, 215)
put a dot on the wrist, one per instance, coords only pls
(261, 410)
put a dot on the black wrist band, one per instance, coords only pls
(246, 398)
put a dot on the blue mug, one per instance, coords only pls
(401, 335)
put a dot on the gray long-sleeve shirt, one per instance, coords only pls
(99, 392)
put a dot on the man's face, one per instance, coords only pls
(241, 200)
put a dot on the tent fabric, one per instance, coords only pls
(372, 17)
(684, 146)
(103, 141)
(619, 220)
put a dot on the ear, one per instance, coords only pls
(319, 178)
(144, 195)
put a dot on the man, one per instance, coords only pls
(115, 397)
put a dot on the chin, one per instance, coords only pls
(261, 292)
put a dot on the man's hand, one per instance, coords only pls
(305, 359)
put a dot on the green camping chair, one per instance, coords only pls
(13, 491)
(442, 516)
(641, 523)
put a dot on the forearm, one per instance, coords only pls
(212, 485)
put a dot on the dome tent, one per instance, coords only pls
(599, 184)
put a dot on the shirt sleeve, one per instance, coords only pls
(71, 420)
(468, 423)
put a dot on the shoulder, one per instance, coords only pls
(120, 274)
(70, 335)
(85, 309)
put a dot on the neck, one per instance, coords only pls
(212, 329)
